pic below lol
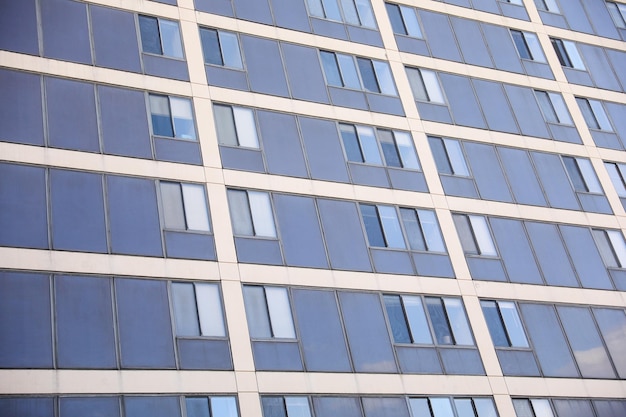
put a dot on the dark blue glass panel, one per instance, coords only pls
(351, 144)
(77, 211)
(265, 65)
(440, 36)
(89, 407)
(367, 332)
(494, 323)
(323, 149)
(487, 171)
(463, 104)
(337, 406)
(21, 117)
(281, 143)
(277, 356)
(304, 73)
(320, 330)
(586, 258)
(115, 39)
(25, 323)
(18, 27)
(515, 251)
(331, 69)
(71, 108)
(23, 218)
(383, 407)
(144, 322)
(367, 75)
(124, 122)
(151, 406)
(273, 407)
(344, 235)
(204, 354)
(150, 38)
(133, 216)
(439, 321)
(397, 23)
(27, 407)
(255, 10)
(84, 322)
(300, 231)
(197, 406)
(372, 225)
(65, 30)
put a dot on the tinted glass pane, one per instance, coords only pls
(520, 44)
(392, 158)
(273, 407)
(182, 116)
(419, 407)
(369, 146)
(612, 324)
(230, 50)
(430, 227)
(172, 200)
(391, 227)
(210, 310)
(458, 321)
(384, 78)
(224, 407)
(262, 216)
(395, 314)
(513, 324)
(465, 233)
(393, 11)
(412, 228)
(485, 407)
(240, 213)
(195, 207)
(336, 406)
(372, 225)
(331, 69)
(441, 407)
(573, 408)
(298, 406)
(197, 406)
(441, 156)
(151, 406)
(546, 107)
(280, 312)
(349, 12)
(348, 71)
(439, 321)
(211, 47)
(523, 408)
(256, 311)
(351, 143)
(185, 312)
(404, 142)
(246, 127)
(89, 406)
(494, 323)
(225, 125)
(161, 119)
(150, 39)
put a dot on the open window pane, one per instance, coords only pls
(184, 301)
(331, 69)
(246, 128)
(600, 115)
(160, 112)
(439, 321)
(589, 175)
(456, 157)
(240, 213)
(369, 145)
(542, 407)
(392, 158)
(256, 312)
(617, 240)
(391, 227)
(604, 247)
(368, 76)
(441, 407)
(417, 319)
(466, 236)
(173, 210)
(170, 38)
(280, 312)
(297, 407)
(373, 227)
(585, 108)
(574, 173)
(616, 178)
(224, 407)
(483, 236)
(348, 71)
(458, 321)
(410, 22)
(494, 323)
(182, 116)
(573, 55)
(535, 47)
(262, 216)
(404, 142)
(396, 19)
(210, 310)
(211, 47)
(397, 320)
(546, 107)
(412, 228)
(432, 86)
(417, 84)
(560, 108)
(196, 207)
(225, 125)
(513, 324)
(365, 13)
(150, 38)
(520, 44)
(351, 143)
(385, 80)
(432, 234)
(230, 50)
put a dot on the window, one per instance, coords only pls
(448, 156)
(172, 117)
(517, 2)
(547, 6)
(553, 107)
(360, 145)
(475, 235)
(504, 324)
(268, 312)
(198, 309)
(617, 172)
(373, 76)
(216, 406)
(612, 248)
(404, 20)
(528, 46)
(425, 85)
(443, 407)
(567, 52)
(184, 206)
(160, 37)
(407, 318)
(235, 126)
(594, 114)
(286, 406)
(353, 12)
(383, 228)
(618, 13)
(220, 48)
(251, 213)
(582, 175)
(532, 407)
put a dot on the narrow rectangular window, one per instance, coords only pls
(439, 321)
(251, 213)
(382, 226)
(547, 6)
(404, 144)
(224, 407)
(198, 309)
(236, 126)
(410, 22)
(331, 69)
(520, 44)
(449, 157)
(172, 117)
(373, 228)
(612, 247)
(504, 324)
(534, 407)
(269, 312)
(618, 14)
(221, 48)
(553, 107)
(160, 37)
(425, 85)
(407, 319)
(568, 55)
(395, 17)
(384, 78)
(349, 72)
(594, 114)
(184, 206)
(360, 144)
(366, 69)
(616, 172)
(366, 14)
(474, 235)
(422, 229)
(582, 175)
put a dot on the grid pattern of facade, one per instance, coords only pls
(312, 208)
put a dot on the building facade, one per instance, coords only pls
(312, 208)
